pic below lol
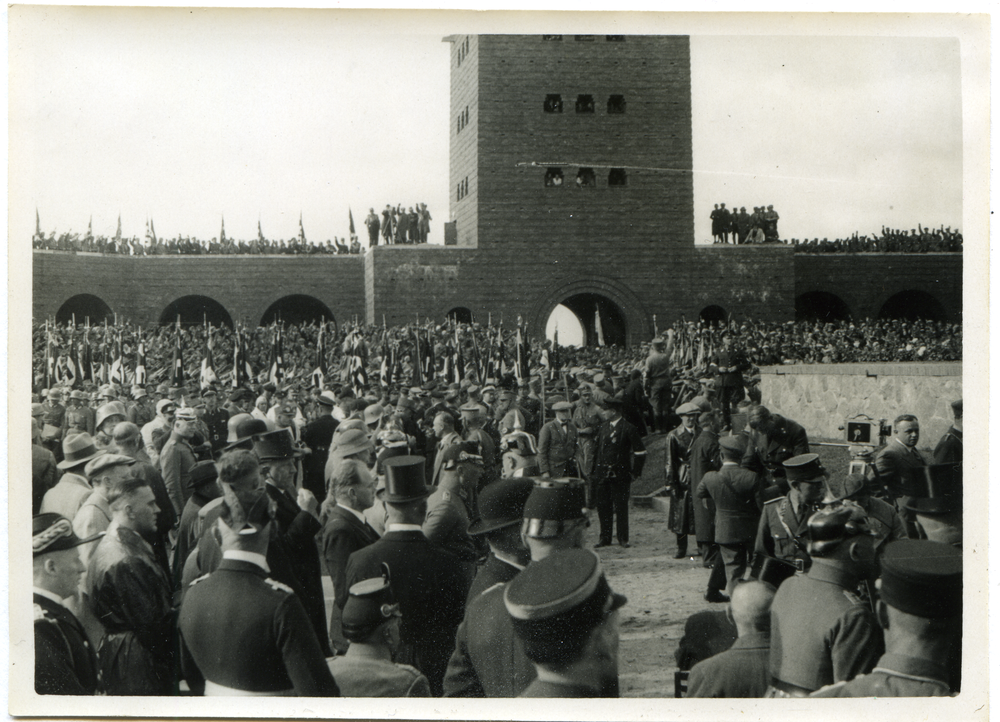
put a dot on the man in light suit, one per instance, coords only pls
(345, 532)
(557, 443)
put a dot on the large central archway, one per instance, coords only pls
(623, 319)
(85, 307)
(296, 309)
(196, 309)
(601, 318)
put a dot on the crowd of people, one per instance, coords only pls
(396, 225)
(739, 227)
(889, 240)
(181, 532)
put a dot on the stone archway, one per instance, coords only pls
(297, 309)
(84, 306)
(911, 305)
(623, 319)
(821, 306)
(460, 314)
(196, 309)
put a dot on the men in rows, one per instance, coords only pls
(430, 584)
(919, 610)
(65, 662)
(736, 493)
(247, 633)
(619, 460)
(488, 659)
(345, 532)
(131, 593)
(773, 440)
(678, 471)
(784, 521)
(821, 631)
(566, 616)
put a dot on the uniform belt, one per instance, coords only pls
(218, 690)
(788, 688)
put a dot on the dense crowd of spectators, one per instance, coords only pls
(739, 227)
(397, 225)
(890, 240)
(764, 343)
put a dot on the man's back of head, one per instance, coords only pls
(751, 607)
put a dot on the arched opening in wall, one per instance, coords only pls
(821, 306)
(713, 315)
(600, 319)
(460, 314)
(911, 305)
(84, 306)
(196, 309)
(567, 324)
(296, 309)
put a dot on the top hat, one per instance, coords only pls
(54, 533)
(78, 449)
(276, 445)
(370, 603)
(404, 480)
(768, 570)
(501, 504)
(922, 578)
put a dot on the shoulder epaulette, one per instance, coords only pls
(771, 501)
(852, 597)
(278, 586)
(202, 578)
(42, 615)
(490, 589)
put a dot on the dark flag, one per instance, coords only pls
(74, 365)
(430, 367)
(85, 361)
(319, 372)
(222, 233)
(277, 366)
(242, 372)
(501, 355)
(350, 220)
(418, 360)
(208, 376)
(555, 362)
(177, 373)
(387, 370)
(521, 355)
(302, 230)
(260, 233)
(50, 362)
(459, 362)
(116, 375)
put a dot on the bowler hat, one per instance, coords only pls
(404, 480)
(54, 533)
(501, 504)
(78, 449)
(276, 445)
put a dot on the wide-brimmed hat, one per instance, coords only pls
(78, 449)
(501, 504)
(352, 441)
(54, 533)
(277, 445)
(404, 480)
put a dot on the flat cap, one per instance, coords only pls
(922, 578)
(733, 443)
(688, 409)
(562, 406)
(106, 461)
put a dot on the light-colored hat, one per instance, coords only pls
(106, 461)
(78, 449)
(352, 441)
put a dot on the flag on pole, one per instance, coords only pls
(319, 372)
(350, 220)
(277, 365)
(501, 367)
(388, 372)
(85, 367)
(177, 374)
(418, 360)
(359, 354)
(50, 366)
(242, 372)
(477, 361)
(521, 355)
(430, 369)
(599, 330)
(222, 233)
(260, 233)
(302, 230)
(116, 374)
(208, 376)
(152, 229)
(118, 233)
(459, 362)
(140, 362)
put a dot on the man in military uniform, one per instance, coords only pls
(371, 622)
(429, 583)
(249, 634)
(783, 521)
(657, 379)
(773, 440)
(587, 418)
(557, 443)
(500, 511)
(489, 660)
(65, 663)
(619, 459)
(736, 493)
(732, 363)
(318, 435)
(678, 471)
(452, 503)
(705, 458)
(78, 418)
(566, 616)
(142, 411)
(821, 631)
(216, 420)
(919, 610)
(177, 458)
(473, 418)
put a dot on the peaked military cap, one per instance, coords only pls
(922, 578)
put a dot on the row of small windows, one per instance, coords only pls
(584, 104)
(587, 38)
(585, 178)
(463, 188)
(463, 119)
(463, 50)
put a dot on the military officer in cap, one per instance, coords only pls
(249, 634)
(177, 458)
(821, 631)
(142, 411)
(473, 420)
(587, 419)
(657, 379)
(429, 583)
(919, 610)
(489, 660)
(566, 617)
(618, 461)
(65, 662)
(451, 505)
(215, 418)
(783, 522)
(737, 494)
(773, 440)
(318, 435)
(79, 418)
(557, 442)
(371, 621)
(678, 468)
(501, 505)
